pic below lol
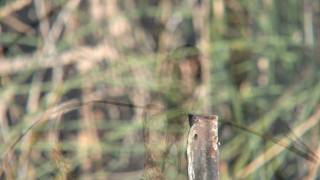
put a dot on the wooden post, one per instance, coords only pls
(202, 148)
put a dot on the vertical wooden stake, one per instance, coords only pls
(202, 148)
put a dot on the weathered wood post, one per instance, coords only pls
(202, 148)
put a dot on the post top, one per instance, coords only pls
(193, 117)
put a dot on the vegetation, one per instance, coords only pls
(99, 89)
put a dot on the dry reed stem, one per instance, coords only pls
(165, 36)
(24, 165)
(62, 164)
(57, 27)
(18, 25)
(77, 55)
(201, 21)
(138, 96)
(88, 139)
(42, 8)
(50, 112)
(12, 7)
(313, 168)
(276, 149)
(4, 129)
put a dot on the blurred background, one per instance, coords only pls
(255, 63)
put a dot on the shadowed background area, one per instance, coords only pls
(99, 89)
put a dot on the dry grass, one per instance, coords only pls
(254, 63)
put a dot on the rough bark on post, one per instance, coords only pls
(202, 148)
